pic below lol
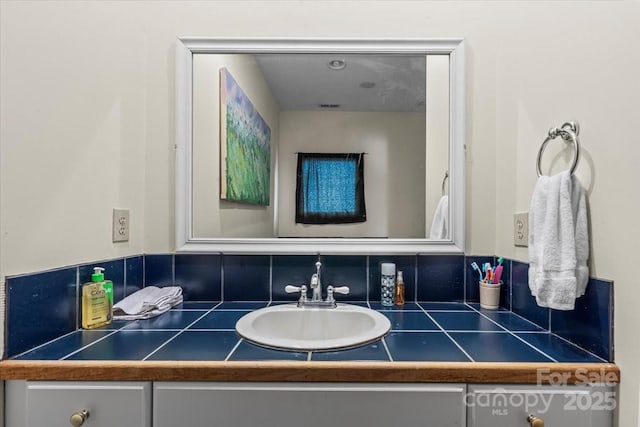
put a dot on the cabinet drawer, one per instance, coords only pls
(51, 404)
(567, 406)
(309, 405)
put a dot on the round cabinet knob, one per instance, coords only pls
(535, 421)
(78, 418)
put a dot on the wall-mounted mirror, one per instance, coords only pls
(248, 110)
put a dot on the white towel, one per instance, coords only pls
(440, 223)
(558, 241)
(148, 302)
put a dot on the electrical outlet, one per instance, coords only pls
(120, 225)
(521, 229)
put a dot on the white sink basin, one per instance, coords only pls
(292, 328)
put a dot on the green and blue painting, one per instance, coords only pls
(245, 141)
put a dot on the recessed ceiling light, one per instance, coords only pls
(337, 64)
(367, 85)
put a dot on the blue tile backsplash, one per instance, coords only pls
(40, 307)
(134, 271)
(406, 264)
(523, 303)
(219, 288)
(158, 270)
(199, 276)
(348, 270)
(592, 317)
(247, 277)
(441, 278)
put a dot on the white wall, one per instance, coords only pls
(581, 70)
(73, 135)
(83, 82)
(213, 217)
(393, 168)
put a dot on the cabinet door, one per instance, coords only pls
(309, 405)
(51, 404)
(564, 406)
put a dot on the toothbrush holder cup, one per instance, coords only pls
(490, 295)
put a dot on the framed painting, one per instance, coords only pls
(245, 144)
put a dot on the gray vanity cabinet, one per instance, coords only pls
(568, 406)
(309, 405)
(54, 403)
(244, 404)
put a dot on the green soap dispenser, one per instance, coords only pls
(97, 300)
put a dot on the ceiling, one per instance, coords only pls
(381, 83)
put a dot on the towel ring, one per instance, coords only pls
(569, 133)
(444, 180)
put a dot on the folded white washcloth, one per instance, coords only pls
(558, 241)
(440, 223)
(148, 302)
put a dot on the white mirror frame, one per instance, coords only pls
(186, 242)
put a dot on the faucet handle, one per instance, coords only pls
(344, 290)
(331, 290)
(290, 289)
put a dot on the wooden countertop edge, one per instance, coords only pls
(440, 372)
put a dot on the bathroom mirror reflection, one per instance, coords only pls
(398, 104)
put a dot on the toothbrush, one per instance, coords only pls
(486, 268)
(497, 275)
(500, 261)
(474, 265)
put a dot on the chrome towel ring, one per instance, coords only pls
(569, 133)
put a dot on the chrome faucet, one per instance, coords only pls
(316, 284)
(316, 298)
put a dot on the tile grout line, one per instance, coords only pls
(464, 278)
(367, 281)
(415, 276)
(180, 331)
(226, 359)
(547, 331)
(173, 269)
(92, 343)
(190, 330)
(511, 285)
(222, 277)
(577, 346)
(386, 348)
(529, 321)
(43, 344)
(78, 301)
(517, 337)
(448, 336)
(270, 280)
(124, 278)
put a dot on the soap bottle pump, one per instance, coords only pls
(97, 300)
(98, 277)
(399, 290)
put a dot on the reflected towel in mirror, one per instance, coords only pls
(440, 223)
